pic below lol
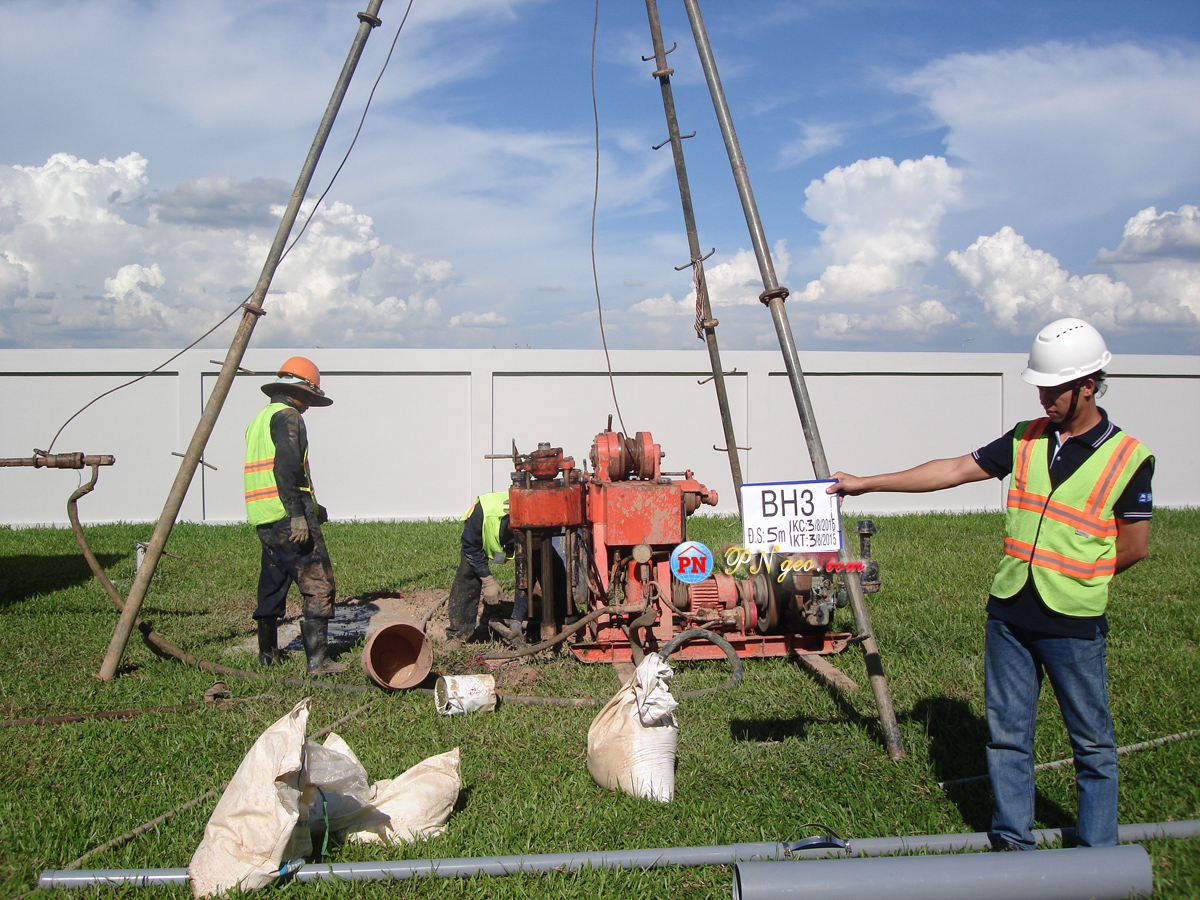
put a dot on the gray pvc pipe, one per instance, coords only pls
(617, 859)
(1085, 873)
(959, 843)
(453, 868)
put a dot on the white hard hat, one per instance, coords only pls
(1064, 350)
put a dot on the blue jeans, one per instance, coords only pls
(1015, 662)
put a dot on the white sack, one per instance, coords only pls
(254, 825)
(633, 739)
(413, 806)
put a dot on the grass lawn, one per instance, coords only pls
(755, 764)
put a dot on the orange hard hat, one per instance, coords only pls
(302, 367)
(299, 377)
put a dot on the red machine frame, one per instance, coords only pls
(618, 525)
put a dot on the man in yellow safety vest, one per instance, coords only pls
(280, 502)
(1079, 508)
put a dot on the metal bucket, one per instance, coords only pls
(457, 694)
(397, 656)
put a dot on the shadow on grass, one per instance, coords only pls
(957, 740)
(31, 575)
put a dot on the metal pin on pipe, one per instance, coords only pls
(253, 307)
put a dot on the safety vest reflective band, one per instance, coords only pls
(495, 507)
(263, 505)
(1065, 537)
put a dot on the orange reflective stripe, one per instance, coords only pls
(1108, 478)
(265, 493)
(1048, 559)
(260, 465)
(1019, 549)
(1062, 512)
(1025, 452)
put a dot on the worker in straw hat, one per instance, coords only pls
(1079, 507)
(280, 502)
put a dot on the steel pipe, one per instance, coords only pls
(704, 318)
(773, 296)
(1085, 873)
(233, 359)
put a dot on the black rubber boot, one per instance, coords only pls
(268, 646)
(315, 633)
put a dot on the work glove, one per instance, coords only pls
(322, 514)
(492, 592)
(299, 526)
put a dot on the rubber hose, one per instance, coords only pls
(735, 661)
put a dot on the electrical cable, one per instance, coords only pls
(595, 202)
(362, 119)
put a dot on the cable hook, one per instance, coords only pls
(682, 137)
(696, 261)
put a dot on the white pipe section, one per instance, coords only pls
(1084, 873)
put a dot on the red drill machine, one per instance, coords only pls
(618, 525)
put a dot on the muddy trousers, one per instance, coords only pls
(307, 565)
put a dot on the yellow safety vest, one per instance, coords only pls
(1065, 537)
(263, 505)
(493, 511)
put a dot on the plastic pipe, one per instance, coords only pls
(615, 859)
(1085, 873)
(453, 868)
(958, 843)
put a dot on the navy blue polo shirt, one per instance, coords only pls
(1026, 609)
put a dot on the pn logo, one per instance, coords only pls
(691, 562)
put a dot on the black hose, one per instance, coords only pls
(735, 661)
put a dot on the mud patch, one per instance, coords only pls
(356, 619)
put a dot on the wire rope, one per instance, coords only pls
(308, 219)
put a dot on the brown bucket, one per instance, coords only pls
(397, 656)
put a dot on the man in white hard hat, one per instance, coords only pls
(280, 501)
(1079, 508)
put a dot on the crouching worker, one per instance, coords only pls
(487, 540)
(281, 504)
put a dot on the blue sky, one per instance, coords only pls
(931, 175)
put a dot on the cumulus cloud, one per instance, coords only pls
(879, 237)
(1159, 257)
(89, 255)
(1022, 287)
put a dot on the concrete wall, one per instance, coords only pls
(408, 431)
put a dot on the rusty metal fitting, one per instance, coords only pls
(373, 21)
(663, 73)
(779, 293)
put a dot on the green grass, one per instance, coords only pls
(755, 764)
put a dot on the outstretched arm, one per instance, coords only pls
(935, 475)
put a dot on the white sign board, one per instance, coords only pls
(791, 517)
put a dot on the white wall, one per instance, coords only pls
(408, 431)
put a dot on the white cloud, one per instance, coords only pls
(1150, 236)
(478, 320)
(1068, 130)
(76, 267)
(881, 222)
(735, 282)
(813, 140)
(1022, 287)
(916, 319)
(1159, 257)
